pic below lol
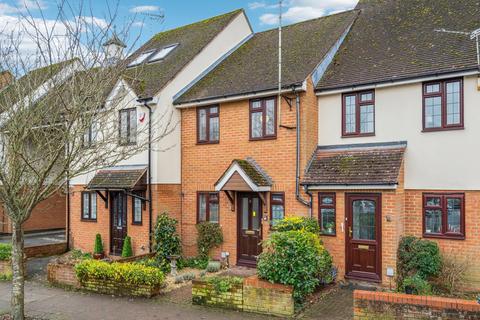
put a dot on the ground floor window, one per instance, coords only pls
(207, 207)
(327, 213)
(277, 207)
(444, 215)
(137, 209)
(89, 206)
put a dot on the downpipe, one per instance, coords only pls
(297, 176)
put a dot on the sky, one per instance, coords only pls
(145, 16)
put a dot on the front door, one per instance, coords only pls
(363, 239)
(118, 222)
(249, 228)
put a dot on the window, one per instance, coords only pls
(90, 135)
(208, 125)
(140, 59)
(326, 213)
(358, 114)
(128, 126)
(138, 205)
(443, 105)
(207, 207)
(277, 208)
(444, 215)
(162, 53)
(263, 119)
(89, 206)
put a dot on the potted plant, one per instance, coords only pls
(98, 250)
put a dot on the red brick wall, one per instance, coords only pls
(49, 214)
(166, 198)
(202, 165)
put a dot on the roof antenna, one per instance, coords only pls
(280, 6)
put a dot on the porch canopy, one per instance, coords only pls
(125, 178)
(357, 166)
(244, 175)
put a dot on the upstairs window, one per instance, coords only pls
(358, 114)
(207, 207)
(128, 126)
(89, 206)
(90, 135)
(140, 59)
(277, 208)
(162, 53)
(263, 119)
(444, 215)
(208, 125)
(443, 105)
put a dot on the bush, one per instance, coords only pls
(213, 266)
(417, 257)
(453, 273)
(195, 263)
(6, 276)
(209, 236)
(295, 258)
(417, 285)
(298, 223)
(127, 251)
(76, 254)
(98, 249)
(224, 284)
(5, 251)
(167, 240)
(128, 273)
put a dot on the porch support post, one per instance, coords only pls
(104, 197)
(263, 196)
(231, 198)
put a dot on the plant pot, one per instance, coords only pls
(409, 290)
(98, 256)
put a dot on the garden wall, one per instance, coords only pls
(62, 274)
(46, 250)
(254, 295)
(120, 289)
(383, 305)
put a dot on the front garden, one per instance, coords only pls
(5, 262)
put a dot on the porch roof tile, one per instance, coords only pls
(118, 179)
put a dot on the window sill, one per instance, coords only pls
(328, 234)
(444, 236)
(88, 220)
(443, 129)
(264, 138)
(207, 143)
(358, 135)
(139, 224)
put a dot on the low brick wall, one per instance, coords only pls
(46, 250)
(268, 298)
(120, 289)
(205, 294)
(383, 305)
(62, 275)
(254, 295)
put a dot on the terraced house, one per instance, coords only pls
(374, 134)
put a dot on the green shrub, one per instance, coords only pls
(417, 257)
(127, 251)
(98, 249)
(213, 266)
(209, 236)
(298, 223)
(128, 273)
(5, 251)
(195, 263)
(167, 240)
(79, 255)
(295, 258)
(6, 276)
(225, 283)
(189, 276)
(417, 284)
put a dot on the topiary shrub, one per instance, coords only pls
(5, 251)
(167, 240)
(98, 249)
(127, 251)
(295, 258)
(297, 223)
(417, 257)
(209, 236)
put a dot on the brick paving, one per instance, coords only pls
(337, 304)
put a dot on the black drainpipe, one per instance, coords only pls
(150, 211)
(297, 176)
(67, 235)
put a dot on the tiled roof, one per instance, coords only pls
(118, 179)
(258, 176)
(372, 165)
(253, 67)
(401, 39)
(148, 79)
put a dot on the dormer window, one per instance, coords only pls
(162, 53)
(140, 59)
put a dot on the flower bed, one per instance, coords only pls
(222, 292)
(124, 279)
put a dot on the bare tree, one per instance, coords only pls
(63, 90)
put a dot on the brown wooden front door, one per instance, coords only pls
(249, 228)
(363, 236)
(118, 222)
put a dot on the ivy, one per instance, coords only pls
(167, 240)
(209, 236)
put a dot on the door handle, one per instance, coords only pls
(350, 232)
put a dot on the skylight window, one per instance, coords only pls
(140, 59)
(162, 53)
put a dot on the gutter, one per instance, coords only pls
(150, 209)
(297, 162)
